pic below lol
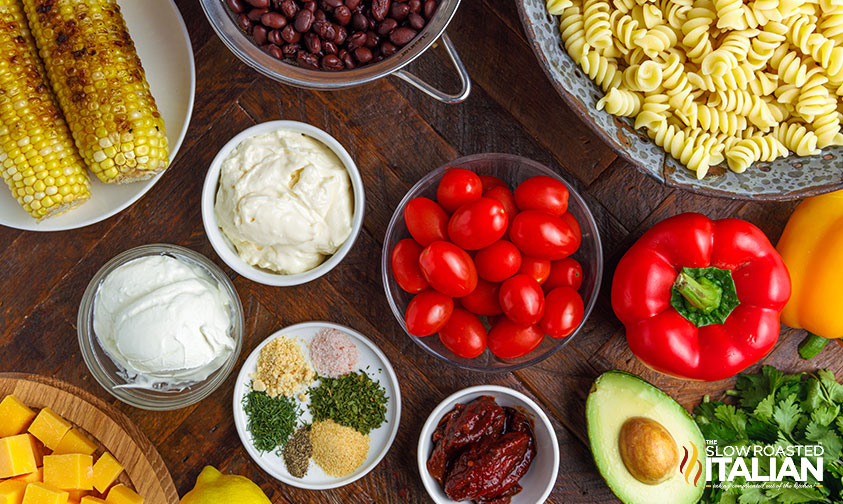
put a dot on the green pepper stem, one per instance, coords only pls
(811, 346)
(702, 296)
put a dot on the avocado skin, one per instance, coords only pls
(603, 439)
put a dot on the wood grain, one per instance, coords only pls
(396, 135)
(106, 426)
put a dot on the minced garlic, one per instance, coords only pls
(282, 368)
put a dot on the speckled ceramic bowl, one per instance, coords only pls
(784, 179)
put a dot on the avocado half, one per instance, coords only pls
(646, 445)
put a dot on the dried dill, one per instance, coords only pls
(271, 419)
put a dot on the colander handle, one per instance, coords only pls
(424, 87)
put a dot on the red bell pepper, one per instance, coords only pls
(701, 299)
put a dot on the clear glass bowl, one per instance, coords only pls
(513, 170)
(108, 374)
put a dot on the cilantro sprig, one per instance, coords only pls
(775, 409)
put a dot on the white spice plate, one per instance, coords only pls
(371, 360)
(163, 44)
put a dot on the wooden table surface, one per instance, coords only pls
(396, 135)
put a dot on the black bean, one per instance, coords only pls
(399, 10)
(386, 26)
(342, 15)
(332, 63)
(289, 8)
(363, 54)
(290, 35)
(312, 42)
(274, 20)
(276, 37)
(402, 36)
(359, 22)
(244, 23)
(236, 6)
(303, 20)
(256, 14)
(356, 40)
(379, 9)
(259, 32)
(429, 8)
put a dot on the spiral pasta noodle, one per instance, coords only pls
(731, 82)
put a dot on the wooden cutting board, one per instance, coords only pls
(111, 429)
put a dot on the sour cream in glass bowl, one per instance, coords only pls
(282, 203)
(160, 327)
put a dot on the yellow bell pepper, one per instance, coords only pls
(812, 248)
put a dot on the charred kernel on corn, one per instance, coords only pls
(101, 86)
(37, 157)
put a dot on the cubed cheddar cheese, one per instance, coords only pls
(33, 477)
(75, 496)
(16, 416)
(40, 493)
(72, 471)
(106, 471)
(121, 494)
(75, 442)
(11, 491)
(17, 455)
(49, 428)
(91, 500)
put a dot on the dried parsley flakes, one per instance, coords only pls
(353, 400)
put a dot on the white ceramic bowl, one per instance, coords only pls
(223, 246)
(163, 44)
(539, 480)
(372, 360)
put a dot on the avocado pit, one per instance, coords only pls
(648, 450)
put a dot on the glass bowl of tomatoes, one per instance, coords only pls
(492, 262)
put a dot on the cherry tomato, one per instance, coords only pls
(542, 235)
(428, 312)
(484, 299)
(458, 187)
(522, 299)
(488, 182)
(405, 266)
(563, 312)
(478, 224)
(464, 334)
(542, 193)
(569, 219)
(426, 221)
(448, 269)
(504, 195)
(537, 268)
(564, 273)
(509, 340)
(498, 261)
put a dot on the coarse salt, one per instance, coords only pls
(333, 353)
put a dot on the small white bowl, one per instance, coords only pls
(539, 480)
(371, 359)
(223, 246)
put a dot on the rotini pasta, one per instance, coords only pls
(715, 81)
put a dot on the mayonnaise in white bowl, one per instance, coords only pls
(324, 215)
(284, 201)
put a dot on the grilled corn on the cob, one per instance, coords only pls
(100, 84)
(37, 157)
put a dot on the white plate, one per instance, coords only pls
(162, 42)
(537, 482)
(380, 439)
